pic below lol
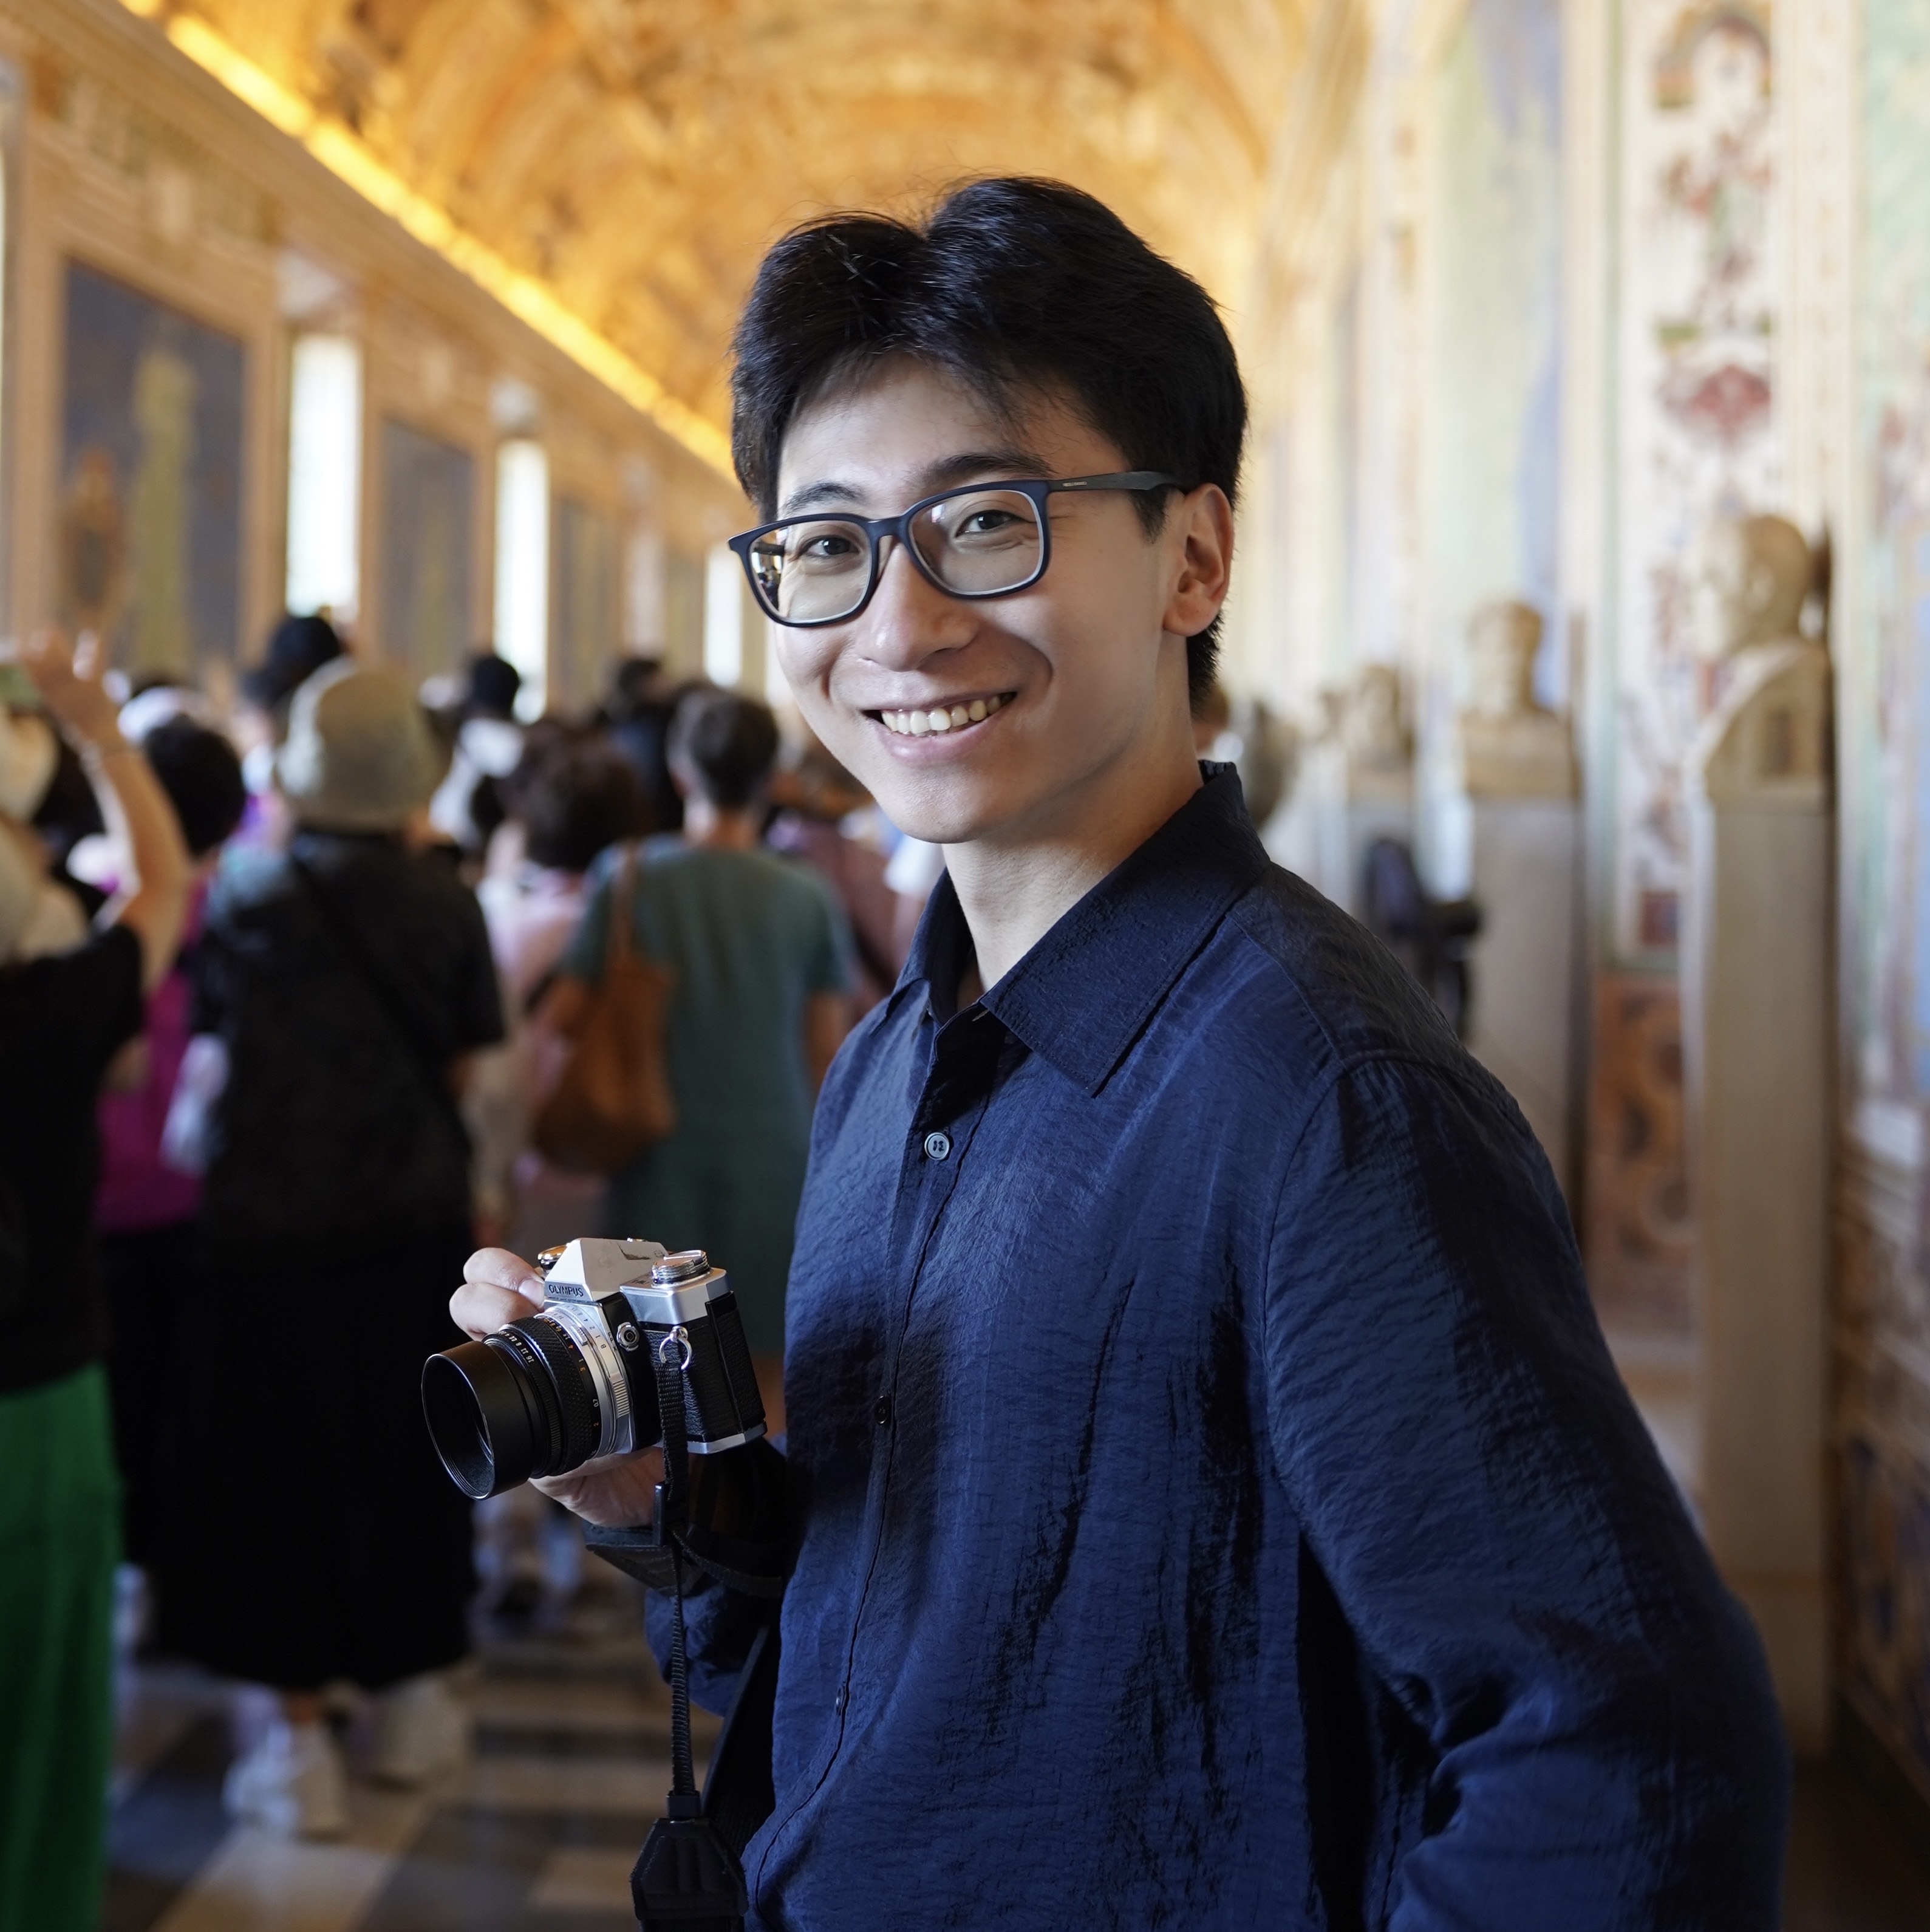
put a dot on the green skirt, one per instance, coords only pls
(59, 1540)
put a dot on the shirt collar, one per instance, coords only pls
(1082, 995)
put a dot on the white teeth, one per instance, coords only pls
(939, 718)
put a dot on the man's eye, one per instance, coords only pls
(987, 523)
(830, 548)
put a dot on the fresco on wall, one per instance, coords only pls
(151, 478)
(1494, 378)
(428, 497)
(1696, 379)
(585, 629)
(1883, 1300)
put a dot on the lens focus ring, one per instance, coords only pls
(576, 1392)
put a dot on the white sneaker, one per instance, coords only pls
(292, 1783)
(421, 1731)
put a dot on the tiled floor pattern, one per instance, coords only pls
(572, 1763)
(538, 1835)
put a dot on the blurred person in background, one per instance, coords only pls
(822, 815)
(637, 713)
(573, 795)
(348, 979)
(145, 1210)
(298, 647)
(486, 744)
(63, 1018)
(760, 952)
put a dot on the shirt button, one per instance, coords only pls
(883, 1411)
(843, 1698)
(938, 1145)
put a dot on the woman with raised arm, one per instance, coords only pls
(63, 1017)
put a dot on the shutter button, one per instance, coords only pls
(938, 1144)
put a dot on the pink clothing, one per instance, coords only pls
(532, 914)
(136, 1191)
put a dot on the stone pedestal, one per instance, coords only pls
(1757, 932)
(1524, 871)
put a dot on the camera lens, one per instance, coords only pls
(519, 1403)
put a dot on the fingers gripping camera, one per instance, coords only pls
(623, 1326)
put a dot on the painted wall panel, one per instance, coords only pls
(428, 488)
(151, 477)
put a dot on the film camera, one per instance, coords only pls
(624, 1328)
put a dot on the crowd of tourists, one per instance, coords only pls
(289, 987)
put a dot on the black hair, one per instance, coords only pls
(573, 793)
(298, 647)
(1010, 284)
(725, 745)
(493, 684)
(198, 770)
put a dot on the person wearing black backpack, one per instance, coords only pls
(312, 1536)
(1220, 1508)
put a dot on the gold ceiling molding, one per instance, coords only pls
(614, 170)
(338, 148)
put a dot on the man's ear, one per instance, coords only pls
(1199, 526)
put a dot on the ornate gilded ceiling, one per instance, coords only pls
(637, 156)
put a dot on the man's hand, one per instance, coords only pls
(499, 1287)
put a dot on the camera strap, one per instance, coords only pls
(686, 1879)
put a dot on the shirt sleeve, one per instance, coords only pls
(1485, 1507)
(582, 958)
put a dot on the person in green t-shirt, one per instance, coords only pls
(761, 952)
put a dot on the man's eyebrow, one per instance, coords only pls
(966, 467)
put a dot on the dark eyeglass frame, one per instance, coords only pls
(899, 527)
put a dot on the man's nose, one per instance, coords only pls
(908, 617)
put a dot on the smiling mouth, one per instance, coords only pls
(928, 720)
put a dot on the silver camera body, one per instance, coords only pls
(625, 1329)
(632, 1309)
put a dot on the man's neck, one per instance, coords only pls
(1013, 890)
(732, 828)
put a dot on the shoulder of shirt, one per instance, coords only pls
(1319, 993)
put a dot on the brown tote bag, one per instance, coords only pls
(612, 1098)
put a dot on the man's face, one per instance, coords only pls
(1074, 674)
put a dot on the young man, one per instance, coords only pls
(1222, 1509)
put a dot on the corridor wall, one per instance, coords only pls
(1711, 249)
(1882, 1329)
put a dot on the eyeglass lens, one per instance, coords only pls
(977, 543)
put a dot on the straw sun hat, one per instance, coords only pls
(360, 755)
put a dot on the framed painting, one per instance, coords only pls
(150, 528)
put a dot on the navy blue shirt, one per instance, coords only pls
(1222, 1509)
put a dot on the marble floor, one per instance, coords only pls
(572, 1762)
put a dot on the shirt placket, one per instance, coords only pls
(961, 1067)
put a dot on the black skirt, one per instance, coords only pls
(311, 1534)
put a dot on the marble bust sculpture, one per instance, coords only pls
(1373, 726)
(1511, 746)
(1768, 737)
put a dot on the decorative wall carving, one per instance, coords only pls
(1701, 241)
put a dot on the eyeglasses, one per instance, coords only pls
(982, 540)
